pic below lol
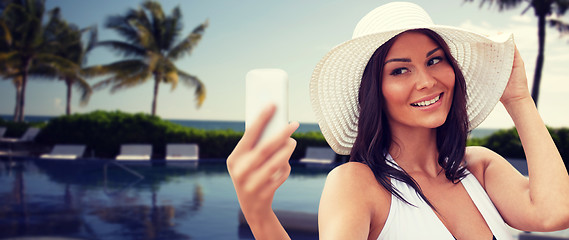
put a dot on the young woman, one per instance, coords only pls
(399, 98)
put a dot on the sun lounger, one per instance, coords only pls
(65, 152)
(318, 157)
(28, 136)
(182, 151)
(135, 152)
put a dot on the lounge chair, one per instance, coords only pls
(65, 152)
(318, 157)
(28, 136)
(135, 152)
(182, 151)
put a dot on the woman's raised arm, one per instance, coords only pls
(257, 170)
(540, 203)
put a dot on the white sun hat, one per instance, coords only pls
(485, 62)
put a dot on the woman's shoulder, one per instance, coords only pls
(351, 170)
(351, 189)
(478, 155)
(478, 159)
(355, 181)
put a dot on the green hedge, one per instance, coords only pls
(103, 133)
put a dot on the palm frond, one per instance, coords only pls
(171, 77)
(131, 80)
(59, 63)
(157, 22)
(155, 10)
(85, 88)
(172, 29)
(9, 57)
(93, 38)
(6, 34)
(102, 84)
(193, 81)
(188, 44)
(561, 26)
(95, 71)
(561, 6)
(124, 48)
(43, 71)
(146, 37)
(125, 73)
(121, 25)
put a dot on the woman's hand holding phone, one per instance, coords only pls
(259, 164)
(257, 170)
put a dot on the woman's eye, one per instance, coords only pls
(399, 71)
(434, 61)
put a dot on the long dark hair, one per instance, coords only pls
(374, 135)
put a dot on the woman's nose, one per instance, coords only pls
(424, 80)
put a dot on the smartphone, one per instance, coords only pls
(263, 87)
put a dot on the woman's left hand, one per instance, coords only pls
(517, 87)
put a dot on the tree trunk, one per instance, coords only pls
(17, 107)
(23, 92)
(69, 84)
(155, 97)
(540, 57)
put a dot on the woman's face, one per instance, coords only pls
(418, 82)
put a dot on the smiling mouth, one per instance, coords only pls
(428, 102)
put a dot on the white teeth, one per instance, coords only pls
(427, 103)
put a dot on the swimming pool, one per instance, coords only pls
(101, 200)
(94, 199)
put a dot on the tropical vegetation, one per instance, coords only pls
(151, 46)
(31, 46)
(69, 45)
(25, 46)
(547, 12)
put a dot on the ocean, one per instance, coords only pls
(236, 125)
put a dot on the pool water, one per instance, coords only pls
(102, 200)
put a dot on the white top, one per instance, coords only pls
(408, 222)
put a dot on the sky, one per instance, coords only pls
(291, 35)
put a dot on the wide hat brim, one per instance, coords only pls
(485, 62)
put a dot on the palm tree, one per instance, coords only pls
(150, 42)
(543, 10)
(25, 46)
(69, 45)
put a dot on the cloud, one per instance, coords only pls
(522, 18)
(58, 104)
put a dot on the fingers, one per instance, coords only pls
(253, 132)
(267, 178)
(266, 149)
(255, 158)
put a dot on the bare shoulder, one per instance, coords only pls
(351, 171)
(352, 180)
(478, 159)
(475, 155)
(352, 202)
